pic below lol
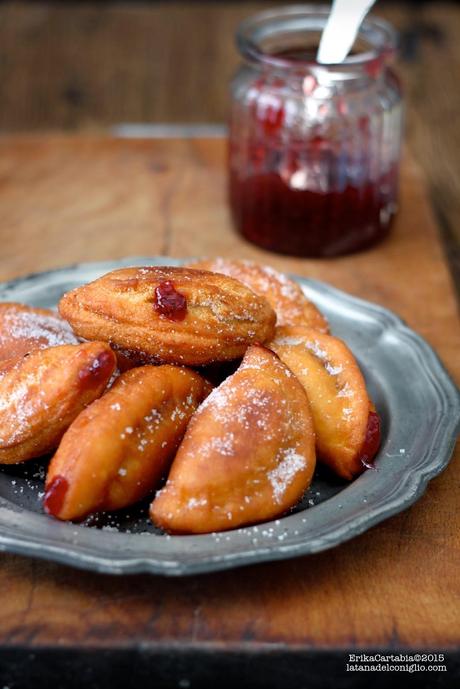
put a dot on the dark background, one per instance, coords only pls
(79, 65)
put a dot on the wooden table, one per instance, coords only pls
(291, 623)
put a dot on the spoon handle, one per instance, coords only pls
(341, 29)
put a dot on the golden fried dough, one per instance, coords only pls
(42, 393)
(283, 294)
(23, 329)
(173, 315)
(346, 424)
(247, 456)
(6, 364)
(117, 450)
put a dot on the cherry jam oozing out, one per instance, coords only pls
(371, 441)
(169, 302)
(55, 495)
(294, 194)
(98, 370)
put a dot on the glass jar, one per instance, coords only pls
(314, 149)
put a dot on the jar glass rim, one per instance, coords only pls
(378, 33)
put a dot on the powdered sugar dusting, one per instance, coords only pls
(282, 293)
(289, 465)
(312, 346)
(196, 502)
(224, 445)
(346, 391)
(333, 370)
(43, 330)
(289, 341)
(315, 348)
(20, 406)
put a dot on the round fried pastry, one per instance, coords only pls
(119, 447)
(346, 424)
(247, 456)
(174, 315)
(283, 294)
(42, 393)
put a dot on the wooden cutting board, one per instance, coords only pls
(67, 199)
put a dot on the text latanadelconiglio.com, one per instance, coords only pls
(396, 662)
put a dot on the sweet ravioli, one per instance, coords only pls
(117, 450)
(41, 394)
(239, 454)
(247, 456)
(170, 315)
(283, 294)
(346, 423)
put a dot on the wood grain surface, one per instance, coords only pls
(69, 199)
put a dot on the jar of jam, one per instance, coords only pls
(313, 149)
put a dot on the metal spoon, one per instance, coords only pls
(341, 29)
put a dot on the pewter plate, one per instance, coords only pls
(420, 410)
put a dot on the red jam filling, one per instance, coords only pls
(55, 495)
(99, 369)
(274, 202)
(273, 215)
(169, 302)
(371, 441)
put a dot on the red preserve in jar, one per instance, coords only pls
(314, 149)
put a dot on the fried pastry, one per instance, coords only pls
(247, 456)
(283, 294)
(170, 314)
(43, 392)
(6, 364)
(23, 329)
(346, 424)
(119, 447)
